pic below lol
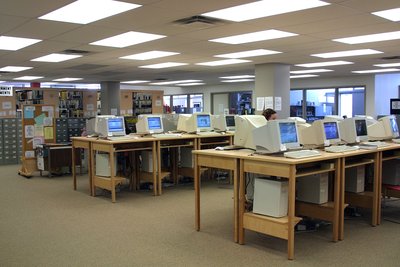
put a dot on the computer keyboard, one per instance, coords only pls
(299, 154)
(121, 138)
(396, 140)
(209, 133)
(375, 144)
(166, 135)
(339, 149)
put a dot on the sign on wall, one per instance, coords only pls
(6, 90)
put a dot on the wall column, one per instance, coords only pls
(273, 79)
(110, 98)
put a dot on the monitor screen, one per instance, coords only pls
(230, 121)
(361, 127)
(331, 130)
(116, 125)
(203, 121)
(154, 123)
(288, 132)
(393, 125)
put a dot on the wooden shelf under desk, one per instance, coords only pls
(312, 171)
(363, 199)
(105, 182)
(319, 211)
(277, 227)
(390, 157)
(355, 163)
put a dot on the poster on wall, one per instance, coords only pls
(395, 106)
(6, 105)
(269, 102)
(278, 103)
(260, 103)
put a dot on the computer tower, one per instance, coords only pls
(391, 172)
(186, 157)
(355, 179)
(313, 188)
(147, 161)
(270, 197)
(103, 167)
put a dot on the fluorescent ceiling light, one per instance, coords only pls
(67, 79)
(136, 81)
(223, 62)
(309, 71)
(150, 55)
(378, 37)
(250, 53)
(176, 82)
(55, 57)
(28, 78)
(324, 64)
(388, 65)
(375, 71)
(253, 37)
(16, 43)
(303, 76)
(164, 65)
(128, 39)
(238, 77)
(238, 81)
(349, 53)
(262, 9)
(14, 68)
(390, 14)
(86, 11)
(190, 84)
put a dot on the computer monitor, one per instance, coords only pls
(276, 136)
(320, 133)
(91, 124)
(197, 122)
(110, 126)
(385, 128)
(353, 130)
(149, 124)
(369, 119)
(245, 124)
(170, 122)
(333, 117)
(223, 122)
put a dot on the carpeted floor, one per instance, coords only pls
(44, 222)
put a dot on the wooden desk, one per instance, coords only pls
(228, 160)
(84, 143)
(115, 146)
(291, 169)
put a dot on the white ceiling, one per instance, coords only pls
(316, 28)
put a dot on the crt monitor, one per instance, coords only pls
(170, 122)
(353, 130)
(223, 122)
(245, 124)
(276, 136)
(111, 126)
(197, 122)
(385, 128)
(320, 133)
(149, 124)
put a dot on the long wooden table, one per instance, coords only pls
(245, 161)
(136, 143)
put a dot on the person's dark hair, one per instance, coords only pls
(267, 113)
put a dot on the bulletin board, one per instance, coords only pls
(37, 128)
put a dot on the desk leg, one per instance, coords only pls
(93, 172)
(90, 171)
(376, 193)
(197, 193)
(379, 211)
(342, 183)
(159, 178)
(154, 156)
(291, 211)
(174, 164)
(112, 176)
(242, 202)
(73, 165)
(234, 174)
(338, 205)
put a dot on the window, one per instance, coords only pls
(314, 104)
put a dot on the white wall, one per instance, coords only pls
(386, 87)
